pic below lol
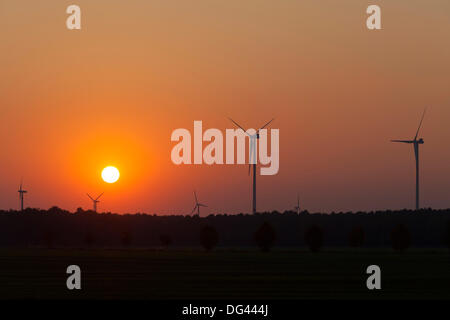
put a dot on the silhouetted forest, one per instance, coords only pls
(58, 228)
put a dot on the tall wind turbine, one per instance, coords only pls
(297, 208)
(253, 156)
(416, 144)
(21, 193)
(95, 201)
(197, 205)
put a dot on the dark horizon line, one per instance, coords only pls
(273, 212)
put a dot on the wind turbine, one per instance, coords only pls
(21, 193)
(197, 205)
(416, 144)
(95, 201)
(297, 208)
(252, 156)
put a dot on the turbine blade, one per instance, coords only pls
(239, 127)
(90, 197)
(99, 196)
(403, 141)
(195, 195)
(193, 210)
(266, 124)
(202, 205)
(237, 124)
(420, 124)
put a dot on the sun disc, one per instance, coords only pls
(110, 174)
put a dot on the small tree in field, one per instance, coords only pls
(400, 238)
(209, 237)
(166, 240)
(356, 237)
(126, 238)
(265, 236)
(447, 235)
(49, 239)
(89, 239)
(314, 238)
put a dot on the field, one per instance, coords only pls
(37, 273)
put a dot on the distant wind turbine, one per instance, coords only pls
(95, 201)
(297, 208)
(21, 194)
(197, 205)
(416, 144)
(253, 156)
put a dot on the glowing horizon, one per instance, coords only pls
(74, 102)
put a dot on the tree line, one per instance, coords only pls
(56, 227)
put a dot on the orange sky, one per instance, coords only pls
(72, 102)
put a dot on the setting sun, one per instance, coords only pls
(110, 174)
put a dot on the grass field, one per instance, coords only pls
(36, 273)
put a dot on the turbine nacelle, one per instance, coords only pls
(21, 188)
(95, 201)
(416, 142)
(252, 156)
(197, 205)
(21, 194)
(297, 207)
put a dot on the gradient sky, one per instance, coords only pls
(73, 102)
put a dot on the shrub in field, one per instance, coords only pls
(209, 237)
(265, 236)
(165, 240)
(314, 238)
(400, 238)
(356, 237)
(447, 235)
(89, 239)
(126, 238)
(49, 238)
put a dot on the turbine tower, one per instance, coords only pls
(197, 205)
(252, 156)
(416, 144)
(21, 193)
(95, 201)
(297, 208)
